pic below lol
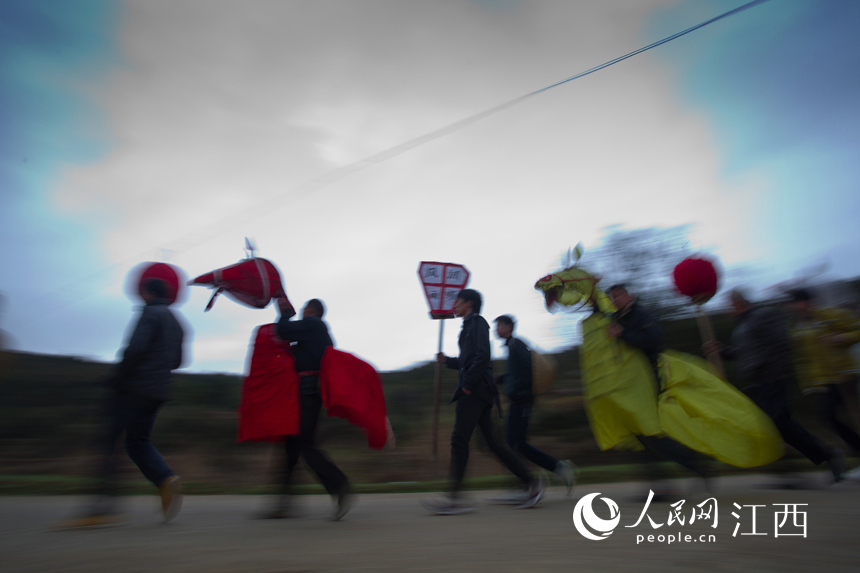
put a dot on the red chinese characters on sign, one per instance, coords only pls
(442, 283)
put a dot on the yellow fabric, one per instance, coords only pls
(619, 388)
(706, 414)
(817, 362)
(695, 408)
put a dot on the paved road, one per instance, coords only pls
(391, 532)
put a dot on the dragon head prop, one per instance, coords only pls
(573, 286)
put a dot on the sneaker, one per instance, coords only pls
(92, 521)
(171, 497)
(837, 465)
(345, 501)
(446, 506)
(853, 475)
(566, 472)
(536, 491)
(510, 498)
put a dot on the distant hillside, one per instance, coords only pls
(49, 418)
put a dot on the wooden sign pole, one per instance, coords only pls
(707, 332)
(437, 390)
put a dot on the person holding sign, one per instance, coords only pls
(475, 394)
(517, 385)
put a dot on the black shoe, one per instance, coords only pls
(837, 465)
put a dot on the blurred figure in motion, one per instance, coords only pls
(822, 339)
(761, 347)
(138, 387)
(476, 391)
(637, 327)
(516, 383)
(310, 338)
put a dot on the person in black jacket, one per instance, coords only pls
(761, 348)
(640, 329)
(476, 391)
(517, 386)
(139, 386)
(310, 338)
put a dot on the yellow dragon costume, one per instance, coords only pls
(694, 407)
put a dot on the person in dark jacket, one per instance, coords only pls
(475, 394)
(517, 386)
(761, 348)
(310, 338)
(640, 329)
(139, 386)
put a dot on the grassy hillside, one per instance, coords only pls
(49, 417)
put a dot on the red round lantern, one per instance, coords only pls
(172, 276)
(696, 278)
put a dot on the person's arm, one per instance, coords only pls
(845, 329)
(478, 367)
(177, 359)
(141, 337)
(295, 330)
(644, 333)
(768, 344)
(521, 363)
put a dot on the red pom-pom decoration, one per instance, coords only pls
(173, 278)
(696, 278)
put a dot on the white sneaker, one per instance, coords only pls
(535, 494)
(853, 474)
(566, 472)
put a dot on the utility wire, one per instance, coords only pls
(213, 230)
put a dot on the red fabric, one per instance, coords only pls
(269, 407)
(252, 282)
(696, 278)
(352, 389)
(167, 273)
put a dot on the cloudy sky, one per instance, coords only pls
(170, 130)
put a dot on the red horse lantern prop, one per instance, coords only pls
(253, 282)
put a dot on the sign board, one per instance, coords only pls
(442, 283)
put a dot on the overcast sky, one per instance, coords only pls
(170, 130)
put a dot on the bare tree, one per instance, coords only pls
(643, 260)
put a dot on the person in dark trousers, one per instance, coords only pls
(310, 338)
(761, 348)
(516, 383)
(821, 342)
(476, 391)
(640, 329)
(138, 387)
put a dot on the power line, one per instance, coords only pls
(213, 230)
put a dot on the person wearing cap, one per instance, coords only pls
(516, 383)
(821, 339)
(475, 394)
(139, 385)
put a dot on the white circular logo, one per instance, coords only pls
(586, 521)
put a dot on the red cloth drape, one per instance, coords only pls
(352, 389)
(269, 407)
